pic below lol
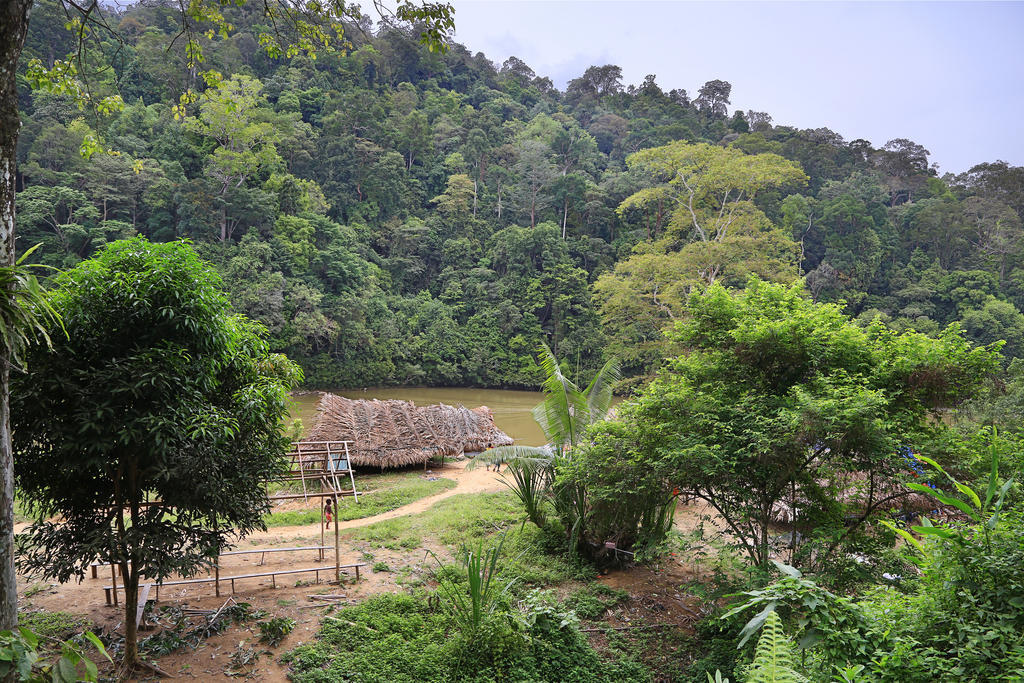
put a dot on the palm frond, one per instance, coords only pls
(563, 411)
(520, 456)
(598, 393)
(26, 312)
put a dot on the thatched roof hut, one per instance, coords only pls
(398, 433)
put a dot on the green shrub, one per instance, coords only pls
(273, 631)
(53, 625)
(399, 639)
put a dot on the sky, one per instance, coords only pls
(947, 75)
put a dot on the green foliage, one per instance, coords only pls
(273, 631)
(827, 622)
(472, 612)
(780, 398)
(960, 620)
(399, 638)
(185, 406)
(53, 625)
(773, 660)
(20, 657)
(594, 599)
(26, 313)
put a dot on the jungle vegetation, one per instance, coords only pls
(395, 215)
(810, 326)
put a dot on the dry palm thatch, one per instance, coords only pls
(398, 433)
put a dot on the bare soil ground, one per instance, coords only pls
(656, 599)
(210, 661)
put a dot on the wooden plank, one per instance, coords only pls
(142, 603)
(293, 496)
(275, 550)
(210, 579)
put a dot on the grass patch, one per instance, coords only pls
(592, 600)
(399, 638)
(56, 625)
(390, 491)
(463, 518)
(536, 557)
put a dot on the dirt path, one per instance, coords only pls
(477, 480)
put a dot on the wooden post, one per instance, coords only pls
(216, 567)
(321, 503)
(113, 581)
(337, 544)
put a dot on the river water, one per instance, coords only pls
(511, 408)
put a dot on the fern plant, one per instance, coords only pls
(773, 659)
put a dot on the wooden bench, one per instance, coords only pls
(111, 590)
(261, 551)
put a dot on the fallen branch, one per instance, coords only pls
(633, 628)
(152, 668)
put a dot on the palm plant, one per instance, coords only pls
(25, 312)
(564, 415)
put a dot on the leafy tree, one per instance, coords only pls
(60, 217)
(707, 190)
(149, 428)
(713, 98)
(245, 145)
(714, 232)
(596, 81)
(536, 174)
(778, 398)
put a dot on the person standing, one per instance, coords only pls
(329, 511)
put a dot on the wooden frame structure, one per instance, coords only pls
(324, 469)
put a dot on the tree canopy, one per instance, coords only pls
(778, 400)
(148, 428)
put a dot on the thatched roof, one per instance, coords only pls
(397, 433)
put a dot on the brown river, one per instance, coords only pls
(511, 408)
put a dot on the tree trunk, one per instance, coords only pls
(131, 633)
(565, 216)
(13, 27)
(131, 578)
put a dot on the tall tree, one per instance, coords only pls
(713, 98)
(150, 426)
(13, 27)
(245, 144)
(536, 173)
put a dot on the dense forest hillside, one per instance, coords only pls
(394, 215)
